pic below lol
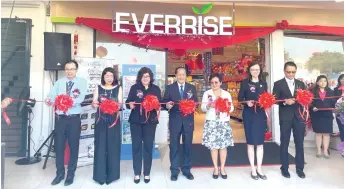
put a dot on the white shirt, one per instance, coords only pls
(291, 85)
(183, 84)
(211, 114)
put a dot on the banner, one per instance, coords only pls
(91, 69)
(129, 73)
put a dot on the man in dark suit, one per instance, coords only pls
(180, 125)
(290, 119)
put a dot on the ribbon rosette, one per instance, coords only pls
(63, 102)
(187, 107)
(266, 100)
(304, 98)
(222, 105)
(150, 103)
(110, 107)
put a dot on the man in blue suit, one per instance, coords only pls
(180, 125)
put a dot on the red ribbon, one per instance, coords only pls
(6, 118)
(304, 98)
(4, 114)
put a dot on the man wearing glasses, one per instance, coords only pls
(68, 125)
(285, 89)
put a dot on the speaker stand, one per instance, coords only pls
(28, 160)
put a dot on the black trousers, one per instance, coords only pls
(174, 151)
(341, 129)
(142, 133)
(298, 128)
(67, 129)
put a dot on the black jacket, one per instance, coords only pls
(327, 103)
(281, 92)
(177, 121)
(337, 92)
(138, 115)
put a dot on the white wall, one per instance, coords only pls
(276, 73)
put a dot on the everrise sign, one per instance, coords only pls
(187, 25)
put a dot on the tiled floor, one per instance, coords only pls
(321, 173)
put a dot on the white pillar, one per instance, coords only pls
(276, 73)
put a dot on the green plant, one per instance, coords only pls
(204, 9)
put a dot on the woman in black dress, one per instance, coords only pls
(107, 141)
(255, 120)
(339, 91)
(322, 120)
(142, 129)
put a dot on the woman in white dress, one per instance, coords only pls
(217, 132)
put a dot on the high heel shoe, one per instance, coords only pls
(223, 176)
(215, 176)
(254, 177)
(136, 181)
(263, 177)
(146, 180)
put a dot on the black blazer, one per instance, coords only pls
(281, 91)
(245, 92)
(136, 117)
(177, 121)
(337, 92)
(327, 103)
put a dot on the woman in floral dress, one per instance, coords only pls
(217, 132)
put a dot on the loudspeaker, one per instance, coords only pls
(57, 50)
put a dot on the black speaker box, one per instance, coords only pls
(57, 50)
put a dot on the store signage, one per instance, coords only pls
(208, 25)
(187, 25)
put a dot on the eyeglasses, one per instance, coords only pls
(72, 69)
(290, 72)
(146, 77)
(255, 70)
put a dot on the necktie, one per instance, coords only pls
(69, 87)
(181, 91)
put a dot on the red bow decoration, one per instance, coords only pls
(222, 105)
(150, 103)
(110, 107)
(304, 98)
(4, 114)
(187, 107)
(282, 25)
(63, 102)
(266, 100)
(267, 136)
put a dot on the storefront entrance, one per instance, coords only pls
(231, 62)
